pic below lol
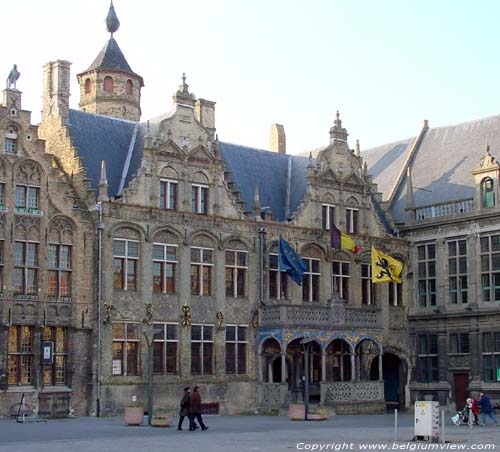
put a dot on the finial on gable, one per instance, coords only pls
(112, 22)
(103, 184)
(358, 148)
(337, 132)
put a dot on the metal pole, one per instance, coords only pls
(306, 380)
(395, 425)
(443, 439)
(150, 380)
(470, 417)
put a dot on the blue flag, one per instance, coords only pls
(291, 262)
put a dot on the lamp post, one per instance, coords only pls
(306, 342)
(149, 334)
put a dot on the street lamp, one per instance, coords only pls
(149, 334)
(306, 343)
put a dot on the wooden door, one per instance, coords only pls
(461, 385)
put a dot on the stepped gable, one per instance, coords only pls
(442, 167)
(100, 138)
(268, 170)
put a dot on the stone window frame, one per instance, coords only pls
(327, 215)
(427, 358)
(199, 198)
(127, 341)
(457, 271)
(27, 199)
(27, 263)
(236, 360)
(311, 281)
(168, 189)
(368, 289)
(233, 270)
(202, 265)
(341, 279)
(491, 356)
(20, 361)
(169, 349)
(352, 220)
(55, 264)
(11, 140)
(426, 275)
(204, 357)
(122, 263)
(129, 87)
(395, 296)
(88, 86)
(56, 372)
(281, 277)
(490, 277)
(459, 343)
(165, 262)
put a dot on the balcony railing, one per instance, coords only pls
(444, 209)
(319, 316)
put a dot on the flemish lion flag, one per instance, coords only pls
(385, 268)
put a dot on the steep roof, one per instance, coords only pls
(269, 170)
(99, 138)
(442, 165)
(112, 58)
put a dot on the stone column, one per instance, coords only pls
(270, 376)
(353, 366)
(259, 368)
(323, 366)
(283, 367)
(380, 367)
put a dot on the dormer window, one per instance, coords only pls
(199, 199)
(328, 216)
(108, 84)
(488, 192)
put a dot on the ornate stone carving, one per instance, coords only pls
(29, 173)
(270, 394)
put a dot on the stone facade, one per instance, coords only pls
(47, 248)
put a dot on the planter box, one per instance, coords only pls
(134, 415)
(296, 411)
(161, 422)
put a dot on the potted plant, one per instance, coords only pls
(134, 414)
(162, 420)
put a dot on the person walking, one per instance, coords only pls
(184, 412)
(195, 410)
(486, 408)
(475, 410)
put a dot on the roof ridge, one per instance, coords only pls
(105, 116)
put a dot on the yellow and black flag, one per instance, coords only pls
(385, 268)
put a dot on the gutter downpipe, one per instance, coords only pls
(100, 228)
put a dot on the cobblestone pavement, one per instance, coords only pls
(235, 434)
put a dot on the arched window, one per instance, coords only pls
(88, 86)
(108, 84)
(128, 87)
(488, 192)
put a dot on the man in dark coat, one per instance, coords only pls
(486, 408)
(185, 401)
(195, 410)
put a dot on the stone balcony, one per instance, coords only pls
(443, 209)
(311, 316)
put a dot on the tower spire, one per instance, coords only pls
(112, 22)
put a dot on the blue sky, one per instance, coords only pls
(386, 65)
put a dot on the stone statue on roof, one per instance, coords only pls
(14, 74)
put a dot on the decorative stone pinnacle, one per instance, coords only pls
(184, 88)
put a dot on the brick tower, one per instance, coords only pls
(109, 86)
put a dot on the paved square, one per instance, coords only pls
(233, 434)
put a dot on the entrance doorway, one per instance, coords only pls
(461, 385)
(394, 377)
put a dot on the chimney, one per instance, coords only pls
(56, 89)
(205, 113)
(277, 139)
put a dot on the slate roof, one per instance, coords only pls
(99, 138)
(111, 57)
(269, 170)
(442, 165)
